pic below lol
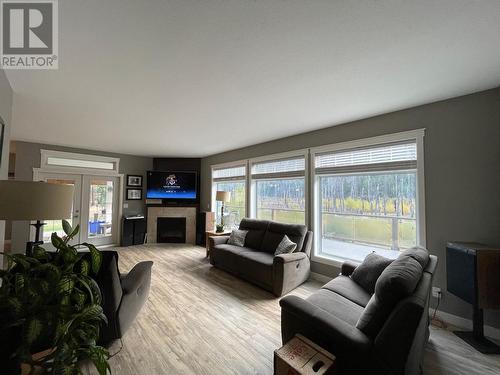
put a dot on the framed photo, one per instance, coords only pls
(134, 194)
(134, 180)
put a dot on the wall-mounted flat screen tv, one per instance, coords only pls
(171, 185)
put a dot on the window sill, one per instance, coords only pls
(330, 260)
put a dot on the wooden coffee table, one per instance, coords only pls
(212, 233)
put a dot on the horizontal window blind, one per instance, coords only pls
(279, 168)
(396, 156)
(231, 173)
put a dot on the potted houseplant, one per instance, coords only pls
(51, 309)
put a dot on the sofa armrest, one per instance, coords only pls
(348, 268)
(135, 285)
(300, 316)
(137, 275)
(287, 258)
(217, 240)
(289, 271)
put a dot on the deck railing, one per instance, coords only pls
(392, 232)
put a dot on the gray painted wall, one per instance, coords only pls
(462, 172)
(28, 157)
(5, 114)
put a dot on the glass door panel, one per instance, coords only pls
(100, 200)
(100, 208)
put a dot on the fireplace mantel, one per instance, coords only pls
(188, 212)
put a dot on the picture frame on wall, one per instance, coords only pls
(134, 180)
(134, 194)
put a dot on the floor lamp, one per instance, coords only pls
(224, 197)
(30, 200)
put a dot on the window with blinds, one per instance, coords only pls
(232, 180)
(232, 173)
(367, 200)
(384, 157)
(279, 189)
(292, 167)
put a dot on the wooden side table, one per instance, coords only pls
(301, 356)
(212, 233)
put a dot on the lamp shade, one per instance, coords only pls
(223, 196)
(30, 200)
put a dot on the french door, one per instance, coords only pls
(95, 207)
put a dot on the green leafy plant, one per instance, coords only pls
(50, 302)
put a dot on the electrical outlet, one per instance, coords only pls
(436, 292)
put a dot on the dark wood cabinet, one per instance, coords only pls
(133, 231)
(204, 223)
(472, 275)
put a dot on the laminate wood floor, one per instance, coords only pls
(201, 320)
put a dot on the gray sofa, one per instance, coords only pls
(255, 262)
(384, 333)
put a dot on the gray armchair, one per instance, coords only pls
(122, 295)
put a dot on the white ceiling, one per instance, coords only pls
(194, 78)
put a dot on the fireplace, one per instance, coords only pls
(155, 213)
(171, 229)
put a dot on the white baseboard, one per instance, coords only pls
(319, 277)
(465, 323)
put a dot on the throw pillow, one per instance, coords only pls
(395, 283)
(368, 272)
(237, 237)
(286, 246)
(420, 254)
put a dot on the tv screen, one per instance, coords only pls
(171, 185)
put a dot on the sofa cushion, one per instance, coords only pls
(227, 248)
(349, 289)
(237, 237)
(396, 282)
(256, 265)
(368, 272)
(256, 230)
(337, 305)
(286, 246)
(225, 255)
(275, 231)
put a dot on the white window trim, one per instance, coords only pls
(279, 156)
(46, 154)
(413, 135)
